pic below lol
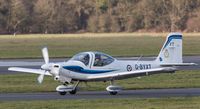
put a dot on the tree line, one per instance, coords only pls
(77, 16)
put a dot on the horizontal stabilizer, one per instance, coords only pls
(178, 64)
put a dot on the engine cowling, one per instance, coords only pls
(55, 69)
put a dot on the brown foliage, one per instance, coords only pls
(69, 16)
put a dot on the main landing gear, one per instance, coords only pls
(72, 89)
(63, 89)
(113, 89)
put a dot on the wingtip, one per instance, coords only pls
(10, 68)
(195, 64)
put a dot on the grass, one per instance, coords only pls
(150, 103)
(66, 45)
(28, 83)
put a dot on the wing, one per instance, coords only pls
(133, 73)
(28, 70)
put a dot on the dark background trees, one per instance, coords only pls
(76, 16)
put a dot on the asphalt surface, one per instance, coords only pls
(148, 93)
(36, 63)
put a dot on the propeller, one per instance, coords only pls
(51, 69)
(46, 66)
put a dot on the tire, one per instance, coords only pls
(113, 93)
(73, 92)
(62, 93)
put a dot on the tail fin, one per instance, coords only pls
(171, 51)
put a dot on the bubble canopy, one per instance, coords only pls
(97, 59)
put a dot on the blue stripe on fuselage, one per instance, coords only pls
(170, 38)
(85, 71)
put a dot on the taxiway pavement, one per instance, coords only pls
(146, 93)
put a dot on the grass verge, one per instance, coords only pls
(28, 46)
(150, 103)
(28, 83)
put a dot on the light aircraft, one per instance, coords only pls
(97, 66)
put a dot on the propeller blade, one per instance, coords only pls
(40, 78)
(45, 55)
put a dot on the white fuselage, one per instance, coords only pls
(115, 67)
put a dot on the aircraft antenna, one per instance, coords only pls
(139, 58)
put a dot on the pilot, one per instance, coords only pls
(98, 61)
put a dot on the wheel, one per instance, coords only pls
(62, 93)
(113, 93)
(73, 92)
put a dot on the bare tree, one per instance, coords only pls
(63, 16)
(18, 14)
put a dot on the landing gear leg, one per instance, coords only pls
(112, 82)
(74, 89)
